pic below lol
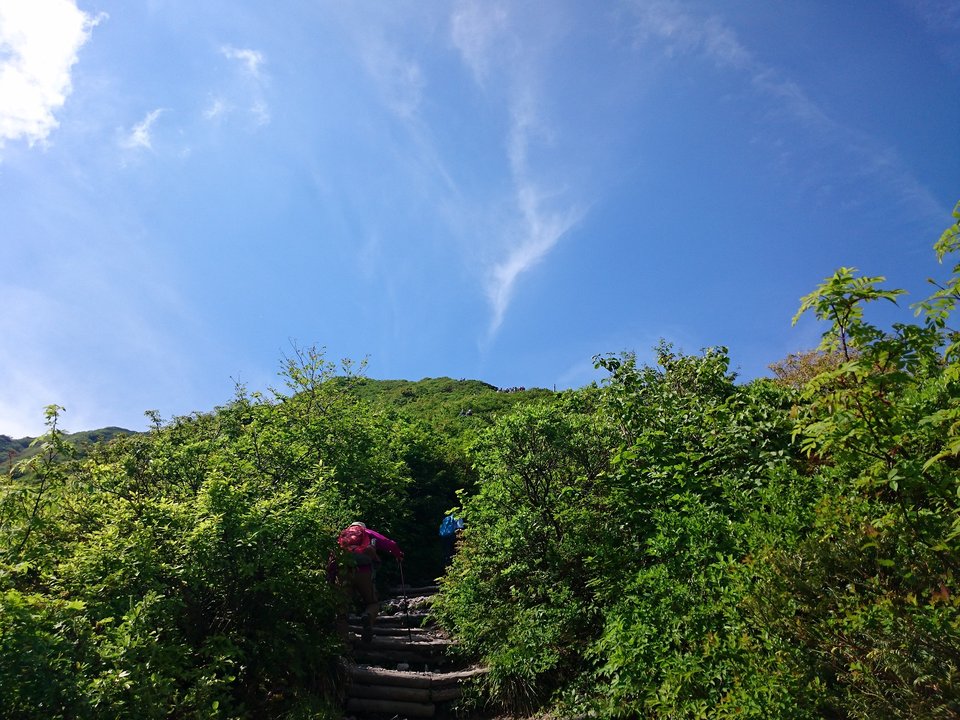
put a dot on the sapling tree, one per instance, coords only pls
(22, 503)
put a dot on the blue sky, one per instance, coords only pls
(475, 189)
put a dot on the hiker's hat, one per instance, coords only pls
(358, 524)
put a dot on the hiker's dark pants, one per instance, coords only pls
(362, 583)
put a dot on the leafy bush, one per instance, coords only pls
(517, 593)
(183, 573)
(600, 567)
(675, 544)
(670, 543)
(874, 588)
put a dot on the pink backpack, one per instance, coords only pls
(355, 540)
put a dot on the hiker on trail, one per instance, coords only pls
(450, 530)
(363, 547)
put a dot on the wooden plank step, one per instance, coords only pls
(393, 692)
(390, 692)
(401, 590)
(382, 676)
(391, 658)
(441, 695)
(385, 643)
(455, 677)
(391, 707)
(408, 678)
(416, 619)
(425, 645)
(396, 631)
(398, 621)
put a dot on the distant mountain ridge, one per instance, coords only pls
(450, 406)
(9, 445)
(13, 450)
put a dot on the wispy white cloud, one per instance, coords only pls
(398, 77)
(216, 108)
(939, 15)
(251, 63)
(488, 44)
(139, 136)
(250, 59)
(539, 227)
(941, 18)
(370, 255)
(684, 33)
(260, 111)
(400, 84)
(39, 42)
(540, 231)
(475, 26)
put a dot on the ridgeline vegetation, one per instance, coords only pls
(668, 543)
(17, 450)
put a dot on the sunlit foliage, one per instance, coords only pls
(670, 543)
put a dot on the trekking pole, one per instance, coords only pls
(406, 605)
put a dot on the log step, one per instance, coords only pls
(428, 645)
(401, 590)
(415, 619)
(380, 686)
(404, 694)
(395, 708)
(403, 678)
(403, 636)
(395, 657)
(394, 631)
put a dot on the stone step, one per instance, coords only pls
(399, 605)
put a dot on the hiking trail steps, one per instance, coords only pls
(405, 671)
